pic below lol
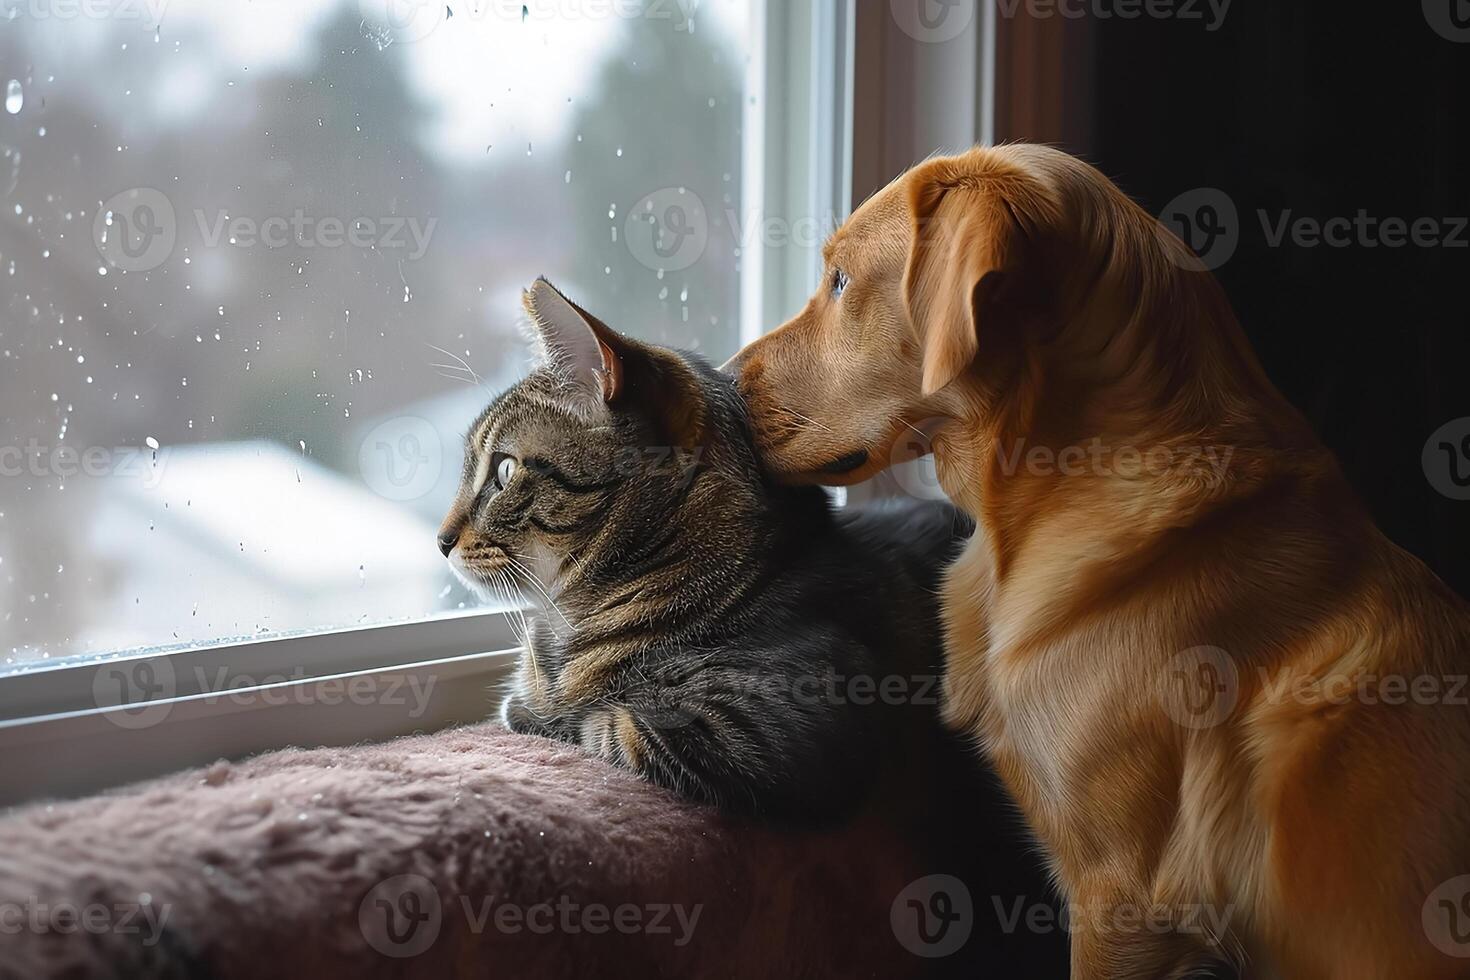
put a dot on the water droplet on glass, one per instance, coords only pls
(14, 97)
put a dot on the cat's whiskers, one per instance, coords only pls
(463, 364)
(581, 569)
(524, 634)
(808, 421)
(453, 377)
(536, 584)
(917, 430)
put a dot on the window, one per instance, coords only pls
(260, 266)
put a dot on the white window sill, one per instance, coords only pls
(76, 729)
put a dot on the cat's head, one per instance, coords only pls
(594, 453)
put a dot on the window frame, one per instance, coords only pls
(808, 153)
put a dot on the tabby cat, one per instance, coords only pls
(726, 637)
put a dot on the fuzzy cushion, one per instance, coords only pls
(471, 852)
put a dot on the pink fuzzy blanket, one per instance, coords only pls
(471, 852)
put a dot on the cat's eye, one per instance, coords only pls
(504, 467)
(839, 283)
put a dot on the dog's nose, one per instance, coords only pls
(447, 540)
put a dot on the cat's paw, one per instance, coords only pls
(517, 715)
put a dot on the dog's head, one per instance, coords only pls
(934, 289)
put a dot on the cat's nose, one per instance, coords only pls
(447, 540)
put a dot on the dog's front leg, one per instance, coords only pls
(1117, 937)
(967, 594)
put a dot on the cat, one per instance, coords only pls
(729, 638)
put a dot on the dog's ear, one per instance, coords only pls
(577, 346)
(965, 241)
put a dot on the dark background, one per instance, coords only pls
(1324, 110)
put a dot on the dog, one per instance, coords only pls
(1231, 710)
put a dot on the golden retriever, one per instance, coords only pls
(1230, 709)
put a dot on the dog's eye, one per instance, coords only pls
(839, 283)
(504, 468)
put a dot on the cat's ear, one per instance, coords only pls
(573, 343)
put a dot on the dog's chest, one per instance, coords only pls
(1037, 727)
(1051, 715)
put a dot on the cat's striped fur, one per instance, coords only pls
(727, 637)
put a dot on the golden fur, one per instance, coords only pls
(1153, 516)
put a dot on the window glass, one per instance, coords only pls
(260, 264)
